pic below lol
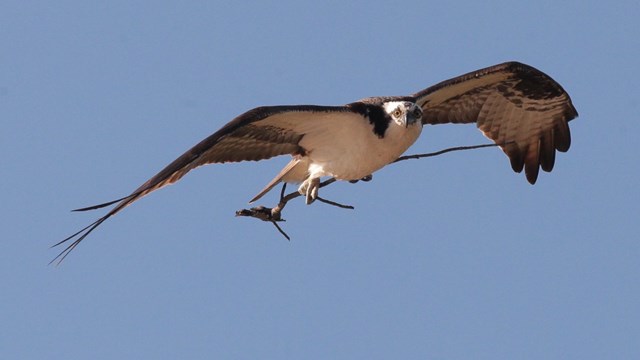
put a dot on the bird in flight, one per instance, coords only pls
(520, 108)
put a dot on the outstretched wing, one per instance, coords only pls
(258, 134)
(515, 105)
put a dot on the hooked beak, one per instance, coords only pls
(414, 115)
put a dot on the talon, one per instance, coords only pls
(308, 196)
(312, 190)
(309, 189)
(365, 179)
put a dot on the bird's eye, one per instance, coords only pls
(397, 112)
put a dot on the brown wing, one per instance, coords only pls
(513, 104)
(258, 134)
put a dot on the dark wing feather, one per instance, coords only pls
(258, 134)
(513, 104)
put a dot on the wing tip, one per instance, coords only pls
(100, 206)
(81, 234)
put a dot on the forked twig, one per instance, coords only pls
(274, 215)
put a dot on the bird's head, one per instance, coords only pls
(404, 113)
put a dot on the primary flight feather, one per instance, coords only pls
(517, 106)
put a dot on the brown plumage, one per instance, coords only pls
(512, 104)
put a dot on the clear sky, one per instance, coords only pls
(454, 257)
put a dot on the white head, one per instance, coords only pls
(403, 113)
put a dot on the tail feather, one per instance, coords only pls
(276, 180)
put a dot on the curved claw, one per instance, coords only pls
(365, 179)
(309, 189)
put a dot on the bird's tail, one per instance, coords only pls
(276, 180)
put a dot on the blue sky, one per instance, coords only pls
(453, 257)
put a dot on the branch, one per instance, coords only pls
(274, 215)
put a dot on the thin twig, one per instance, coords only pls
(457, 148)
(280, 229)
(333, 203)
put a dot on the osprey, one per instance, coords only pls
(520, 108)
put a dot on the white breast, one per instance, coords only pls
(356, 151)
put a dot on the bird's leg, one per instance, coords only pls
(312, 191)
(309, 188)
